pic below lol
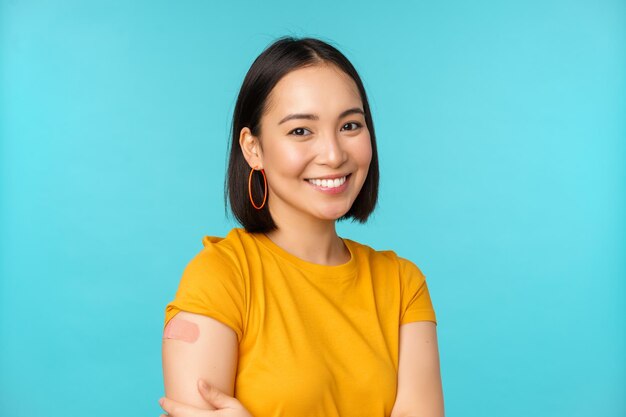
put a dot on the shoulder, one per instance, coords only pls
(383, 257)
(213, 285)
(220, 253)
(388, 259)
(230, 247)
(409, 268)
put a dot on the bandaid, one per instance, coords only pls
(181, 329)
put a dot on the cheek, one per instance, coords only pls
(362, 151)
(287, 159)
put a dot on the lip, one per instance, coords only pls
(334, 190)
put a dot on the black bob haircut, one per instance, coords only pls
(277, 60)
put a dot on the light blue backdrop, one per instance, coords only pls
(502, 139)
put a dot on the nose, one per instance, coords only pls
(331, 151)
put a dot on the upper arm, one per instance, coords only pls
(212, 357)
(420, 391)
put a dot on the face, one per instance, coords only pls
(314, 127)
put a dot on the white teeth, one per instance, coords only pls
(328, 183)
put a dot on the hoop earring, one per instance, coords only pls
(250, 188)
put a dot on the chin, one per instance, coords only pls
(331, 215)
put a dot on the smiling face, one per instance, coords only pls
(313, 128)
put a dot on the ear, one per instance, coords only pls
(251, 148)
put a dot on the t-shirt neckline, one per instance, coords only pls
(330, 271)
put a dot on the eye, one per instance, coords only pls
(299, 129)
(358, 125)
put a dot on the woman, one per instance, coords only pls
(283, 317)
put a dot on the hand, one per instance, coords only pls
(226, 406)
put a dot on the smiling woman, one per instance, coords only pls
(329, 138)
(283, 317)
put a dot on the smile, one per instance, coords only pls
(331, 186)
(328, 183)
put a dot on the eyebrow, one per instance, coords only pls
(316, 117)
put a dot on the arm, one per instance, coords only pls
(419, 392)
(212, 357)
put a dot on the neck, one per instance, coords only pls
(310, 239)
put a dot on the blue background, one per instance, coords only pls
(502, 139)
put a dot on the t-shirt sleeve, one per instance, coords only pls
(211, 285)
(416, 304)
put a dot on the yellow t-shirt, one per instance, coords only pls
(314, 340)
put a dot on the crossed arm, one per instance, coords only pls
(419, 393)
(212, 355)
(202, 348)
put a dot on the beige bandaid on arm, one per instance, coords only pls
(181, 329)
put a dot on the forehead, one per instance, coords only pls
(319, 89)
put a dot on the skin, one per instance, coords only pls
(290, 153)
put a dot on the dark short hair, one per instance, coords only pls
(283, 56)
